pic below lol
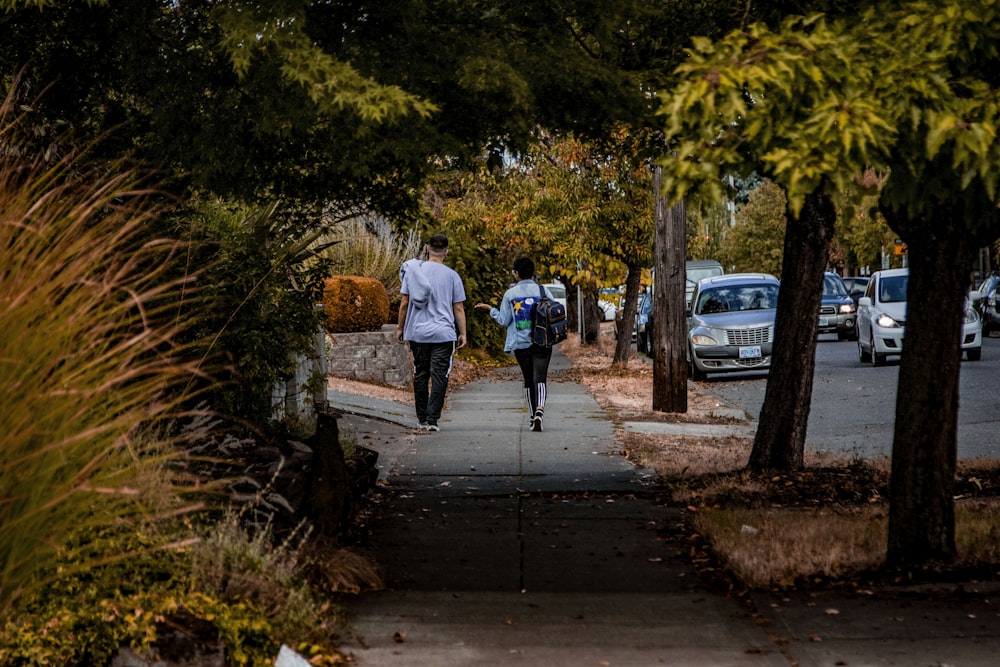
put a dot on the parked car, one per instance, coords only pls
(882, 319)
(608, 301)
(856, 287)
(695, 270)
(642, 313)
(558, 291)
(986, 304)
(836, 309)
(731, 327)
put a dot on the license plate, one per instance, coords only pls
(824, 322)
(752, 352)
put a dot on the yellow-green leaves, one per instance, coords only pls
(794, 104)
(255, 31)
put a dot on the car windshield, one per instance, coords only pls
(558, 291)
(833, 286)
(892, 289)
(694, 275)
(731, 298)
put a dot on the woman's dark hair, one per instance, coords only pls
(525, 268)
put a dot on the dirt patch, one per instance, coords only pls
(627, 393)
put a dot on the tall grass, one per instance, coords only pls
(368, 246)
(88, 362)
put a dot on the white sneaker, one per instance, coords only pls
(536, 423)
(433, 427)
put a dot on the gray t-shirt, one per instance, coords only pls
(433, 321)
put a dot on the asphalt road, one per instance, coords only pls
(853, 406)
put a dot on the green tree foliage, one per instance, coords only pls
(264, 278)
(756, 241)
(863, 235)
(790, 105)
(910, 86)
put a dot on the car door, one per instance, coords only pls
(865, 313)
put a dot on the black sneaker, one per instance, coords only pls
(536, 423)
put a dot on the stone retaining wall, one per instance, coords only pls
(374, 356)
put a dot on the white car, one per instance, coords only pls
(558, 291)
(882, 319)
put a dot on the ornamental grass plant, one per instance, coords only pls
(89, 363)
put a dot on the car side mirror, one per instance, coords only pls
(865, 302)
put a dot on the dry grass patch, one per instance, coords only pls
(679, 456)
(977, 531)
(778, 547)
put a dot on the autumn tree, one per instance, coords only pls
(911, 86)
(756, 241)
(792, 106)
(940, 80)
(581, 210)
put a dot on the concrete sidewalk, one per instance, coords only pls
(505, 546)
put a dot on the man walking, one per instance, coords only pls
(432, 321)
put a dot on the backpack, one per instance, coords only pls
(548, 321)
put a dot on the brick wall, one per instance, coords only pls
(374, 356)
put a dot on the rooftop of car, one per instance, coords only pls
(893, 272)
(738, 278)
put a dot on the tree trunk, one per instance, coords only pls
(328, 482)
(572, 309)
(592, 318)
(924, 446)
(669, 341)
(784, 416)
(625, 325)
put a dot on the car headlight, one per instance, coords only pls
(886, 322)
(847, 308)
(702, 339)
(971, 316)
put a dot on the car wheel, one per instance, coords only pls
(841, 335)
(877, 359)
(974, 353)
(693, 371)
(863, 356)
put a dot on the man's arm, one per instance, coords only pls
(401, 318)
(459, 309)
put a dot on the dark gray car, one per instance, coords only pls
(837, 309)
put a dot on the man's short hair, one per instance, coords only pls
(525, 268)
(438, 242)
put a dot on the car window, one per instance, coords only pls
(558, 292)
(733, 298)
(833, 286)
(694, 275)
(892, 289)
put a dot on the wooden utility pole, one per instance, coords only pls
(669, 342)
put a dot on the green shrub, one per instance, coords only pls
(264, 281)
(355, 303)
